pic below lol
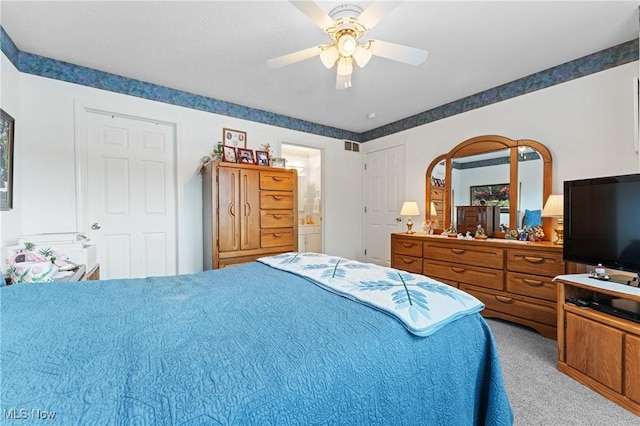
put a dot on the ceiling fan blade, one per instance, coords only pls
(398, 52)
(313, 12)
(343, 81)
(375, 12)
(294, 57)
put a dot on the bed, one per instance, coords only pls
(246, 345)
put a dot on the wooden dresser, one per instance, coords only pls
(512, 278)
(249, 212)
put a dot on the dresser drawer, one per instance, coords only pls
(276, 200)
(535, 262)
(278, 237)
(531, 285)
(276, 218)
(407, 263)
(277, 180)
(486, 257)
(485, 277)
(410, 247)
(531, 309)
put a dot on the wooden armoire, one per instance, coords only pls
(249, 212)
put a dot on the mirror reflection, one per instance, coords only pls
(490, 180)
(530, 183)
(438, 176)
(482, 180)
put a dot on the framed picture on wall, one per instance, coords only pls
(245, 156)
(229, 154)
(234, 138)
(6, 160)
(490, 195)
(262, 158)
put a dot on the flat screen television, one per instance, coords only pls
(602, 222)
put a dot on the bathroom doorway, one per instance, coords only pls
(308, 162)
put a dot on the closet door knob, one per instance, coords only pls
(96, 226)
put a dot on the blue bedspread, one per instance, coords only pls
(247, 345)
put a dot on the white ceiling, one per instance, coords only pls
(219, 49)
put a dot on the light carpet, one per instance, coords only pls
(539, 393)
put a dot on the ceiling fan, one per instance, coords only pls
(345, 25)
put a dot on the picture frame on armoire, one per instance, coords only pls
(7, 124)
(229, 154)
(245, 156)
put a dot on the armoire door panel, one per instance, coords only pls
(250, 209)
(228, 218)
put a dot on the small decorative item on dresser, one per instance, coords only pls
(229, 154)
(245, 156)
(278, 162)
(234, 138)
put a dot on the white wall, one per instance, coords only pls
(586, 123)
(46, 164)
(10, 103)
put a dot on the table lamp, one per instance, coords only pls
(554, 207)
(410, 208)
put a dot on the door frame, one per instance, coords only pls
(365, 191)
(323, 196)
(81, 111)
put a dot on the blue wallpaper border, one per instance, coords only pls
(590, 64)
(51, 68)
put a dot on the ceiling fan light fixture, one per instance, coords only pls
(329, 56)
(347, 44)
(345, 66)
(362, 56)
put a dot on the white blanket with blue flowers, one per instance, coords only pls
(421, 304)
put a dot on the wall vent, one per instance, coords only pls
(351, 146)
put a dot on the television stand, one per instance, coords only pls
(596, 348)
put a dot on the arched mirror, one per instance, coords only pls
(513, 177)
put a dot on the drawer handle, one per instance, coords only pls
(458, 251)
(277, 197)
(534, 259)
(276, 235)
(533, 283)
(408, 261)
(277, 216)
(277, 179)
(504, 299)
(407, 245)
(458, 270)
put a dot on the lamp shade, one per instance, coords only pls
(345, 66)
(329, 56)
(347, 44)
(362, 56)
(554, 207)
(410, 208)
